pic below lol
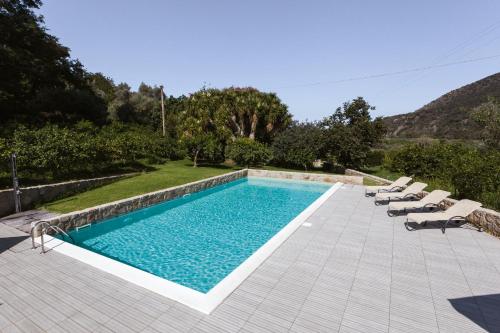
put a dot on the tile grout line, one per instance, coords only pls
(429, 281)
(283, 274)
(323, 268)
(281, 277)
(478, 244)
(357, 266)
(392, 265)
(466, 280)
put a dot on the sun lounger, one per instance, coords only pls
(431, 200)
(409, 193)
(457, 212)
(396, 186)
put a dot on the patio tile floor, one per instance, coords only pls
(354, 270)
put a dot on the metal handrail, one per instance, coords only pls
(45, 226)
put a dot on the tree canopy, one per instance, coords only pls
(488, 116)
(351, 133)
(212, 118)
(299, 145)
(43, 86)
(40, 82)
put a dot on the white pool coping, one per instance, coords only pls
(199, 301)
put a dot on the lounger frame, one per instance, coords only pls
(383, 190)
(430, 205)
(444, 223)
(407, 196)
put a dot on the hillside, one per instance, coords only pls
(447, 116)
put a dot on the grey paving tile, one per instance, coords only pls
(217, 324)
(11, 329)
(28, 326)
(354, 270)
(117, 327)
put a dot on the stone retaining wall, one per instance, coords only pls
(75, 219)
(33, 195)
(381, 181)
(318, 177)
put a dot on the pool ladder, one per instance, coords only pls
(46, 226)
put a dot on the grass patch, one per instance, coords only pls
(162, 176)
(381, 172)
(166, 175)
(370, 182)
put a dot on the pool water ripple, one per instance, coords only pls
(199, 239)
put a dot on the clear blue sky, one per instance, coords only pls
(276, 45)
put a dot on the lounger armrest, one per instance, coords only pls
(413, 195)
(430, 204)
(392, 189)
(457, 217)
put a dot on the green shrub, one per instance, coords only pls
(298, 146)
(374, 158)
(247, 152)
(467, 171)
(5, 152)
(54, 152)
(333, 167)
(203, 146)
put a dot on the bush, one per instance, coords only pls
(127, 143)
(54, 152)
(203, 146)
(333, 167)
(466, 171)
(298, 146)
(4, 155)
(247, 152)
(374, 158)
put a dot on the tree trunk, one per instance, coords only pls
(253, 127)
(237, 128)
(195, 159)
(242, 127)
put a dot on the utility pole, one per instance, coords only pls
(162, 111)
(15, 183)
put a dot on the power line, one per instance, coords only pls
(462, 46)
(457, 49)
(466, 43)
(375, 76)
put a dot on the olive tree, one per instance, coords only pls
(350, 133)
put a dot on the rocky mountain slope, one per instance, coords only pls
(447, 116)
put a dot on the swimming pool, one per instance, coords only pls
(196, 249)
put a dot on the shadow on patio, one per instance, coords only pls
(483, 310)
(9, 242)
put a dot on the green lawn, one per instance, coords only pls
(369, 182)
(172, 173)
(382, 172)
(166, 175)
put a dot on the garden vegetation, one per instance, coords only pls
(64, 122)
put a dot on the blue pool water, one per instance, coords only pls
(198, 240)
